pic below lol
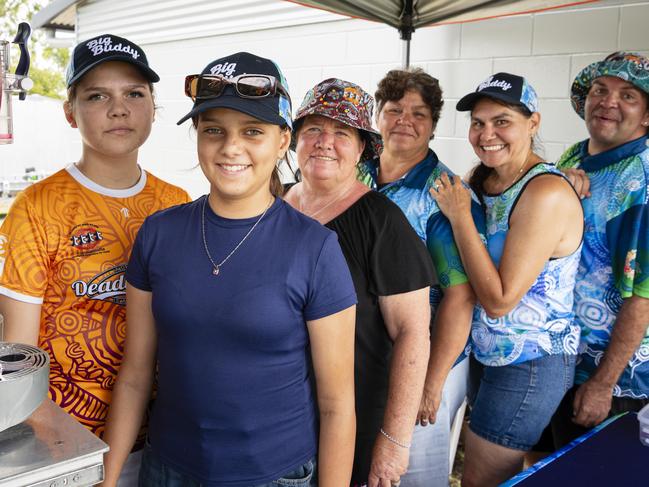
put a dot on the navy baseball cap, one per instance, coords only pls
(506, 87)
(106, 47)
(274, 109)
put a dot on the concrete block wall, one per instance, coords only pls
(548, 48)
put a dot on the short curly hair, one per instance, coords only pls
(395, 84)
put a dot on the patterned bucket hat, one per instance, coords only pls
(628, 66)
(346, 103)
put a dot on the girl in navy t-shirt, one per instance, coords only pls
(238, 299)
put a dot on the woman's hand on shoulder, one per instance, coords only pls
(579, 180)
(451, 196)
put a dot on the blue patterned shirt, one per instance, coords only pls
(615, 260)
(542, 322)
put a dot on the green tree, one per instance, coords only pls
(47, 63)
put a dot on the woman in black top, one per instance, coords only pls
(390, 268)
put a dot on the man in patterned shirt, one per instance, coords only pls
(612, 292)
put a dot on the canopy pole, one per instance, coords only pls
(405, 54)
(405, 31)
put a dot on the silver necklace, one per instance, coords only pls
(216, 268)
(520, 171)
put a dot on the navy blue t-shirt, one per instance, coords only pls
(234, 404)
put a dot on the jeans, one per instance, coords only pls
(155, 473)
(515, 402)
(130, 470)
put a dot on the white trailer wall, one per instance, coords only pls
(42, 139)
(180, 37)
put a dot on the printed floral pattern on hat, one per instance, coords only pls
(628, 66)
(346, 103)
(339, 100)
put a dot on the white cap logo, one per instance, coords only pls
(105, 44)
(224, 69)
(496, 83)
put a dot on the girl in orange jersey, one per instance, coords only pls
(66, 241)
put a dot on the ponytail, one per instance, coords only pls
(478, 176)
(276, 186)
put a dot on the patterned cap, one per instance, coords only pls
(346, 103)
(506, 87)
(272, 109)
(628, 66)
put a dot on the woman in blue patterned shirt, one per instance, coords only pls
(523, 334)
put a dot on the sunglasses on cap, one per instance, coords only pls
(206, 86)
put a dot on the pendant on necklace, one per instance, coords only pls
(216, 271)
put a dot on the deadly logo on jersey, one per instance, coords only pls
(109, 285)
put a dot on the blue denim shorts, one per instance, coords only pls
(514, 403)
(155, 473)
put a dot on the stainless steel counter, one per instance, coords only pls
(50, 449)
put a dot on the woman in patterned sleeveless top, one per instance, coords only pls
(523, 336)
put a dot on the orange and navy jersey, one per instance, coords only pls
(65, 244)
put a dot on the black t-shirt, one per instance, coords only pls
(385, 256)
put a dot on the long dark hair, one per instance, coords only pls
(481, 172)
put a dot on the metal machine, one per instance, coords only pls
(40, 444)
(16, 83)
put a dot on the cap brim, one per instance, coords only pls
(256, 108)
(144, 69)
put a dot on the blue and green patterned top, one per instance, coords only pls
(542, 322)
(615, 259)
(412, 194)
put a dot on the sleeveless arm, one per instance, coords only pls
(537, 225)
